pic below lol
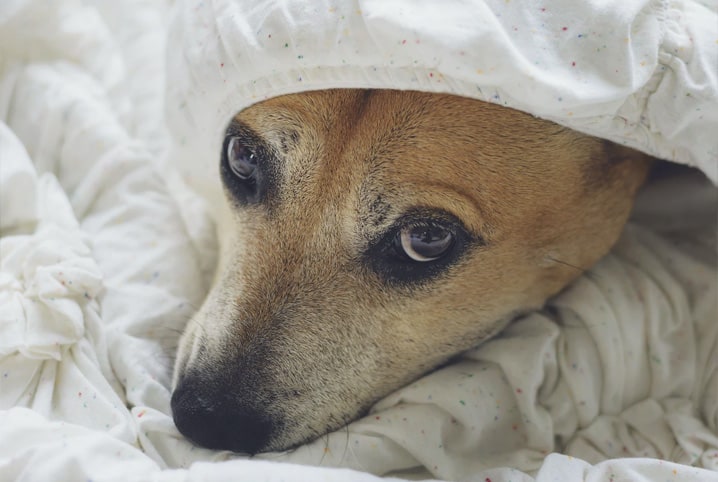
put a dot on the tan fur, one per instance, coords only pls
(299, 326)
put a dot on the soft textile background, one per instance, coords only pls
(104, 253)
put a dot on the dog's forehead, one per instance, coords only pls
(366, 157)
(377, 151)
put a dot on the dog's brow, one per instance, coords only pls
(277, 126)
(288, 139)
(236, 127)
(283, 139)
(380, 213)
(375, 215)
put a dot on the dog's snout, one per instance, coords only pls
(212, 419)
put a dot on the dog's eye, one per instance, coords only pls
(423, 243)
(242, 160)
(420, 246)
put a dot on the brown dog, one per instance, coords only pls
(370, 235)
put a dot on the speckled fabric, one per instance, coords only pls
(638, 72)
(105, 252)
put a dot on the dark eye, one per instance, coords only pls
(421, 246)
(242, 161)
(423, 243)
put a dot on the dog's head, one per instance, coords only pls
(367, 237)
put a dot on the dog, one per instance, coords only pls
(367, 237)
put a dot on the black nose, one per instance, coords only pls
(215, 420)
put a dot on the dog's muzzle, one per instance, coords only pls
(215, 418)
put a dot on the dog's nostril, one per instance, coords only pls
(209, 420)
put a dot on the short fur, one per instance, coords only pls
(308, 323)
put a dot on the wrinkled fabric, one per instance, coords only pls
(642, 72)
(105, 251)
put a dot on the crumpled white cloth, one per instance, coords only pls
(639, 72)
(104, 254)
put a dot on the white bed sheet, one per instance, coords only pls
(105, 254)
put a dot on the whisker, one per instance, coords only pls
(346, 439)
(584, 271)
(565, 263)
(326, 447)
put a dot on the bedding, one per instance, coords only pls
(107, 177)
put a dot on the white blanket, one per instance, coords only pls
(104, 253)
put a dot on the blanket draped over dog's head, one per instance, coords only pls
(638, 72)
